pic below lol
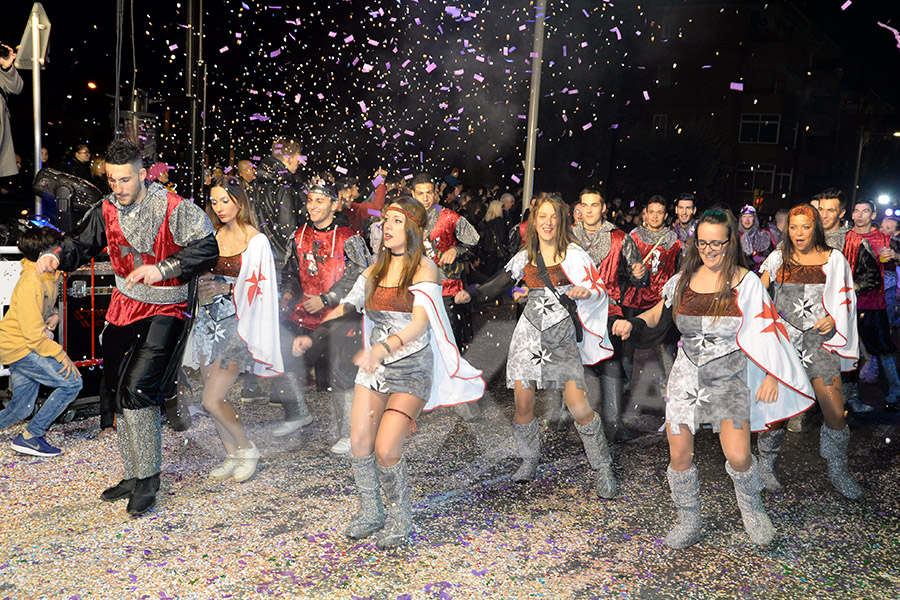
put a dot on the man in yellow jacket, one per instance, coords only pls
(28, 349)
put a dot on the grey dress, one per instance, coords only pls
(798, 300)
(410, 369)
(543, 347)
(708, 382)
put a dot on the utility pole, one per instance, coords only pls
(537, 56)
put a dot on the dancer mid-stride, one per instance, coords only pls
(813, 287)
(736, 370)
(545, 351)
(410, 363)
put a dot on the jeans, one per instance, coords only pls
(27, 375)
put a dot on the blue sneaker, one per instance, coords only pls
(36, 446)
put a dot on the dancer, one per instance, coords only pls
(543, 352)
(325, 261)
(157, 241)
(619, 261)
(410, 363)
(237, 322)
(736, 371)
(813, 290)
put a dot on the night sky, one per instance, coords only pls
(404, 84)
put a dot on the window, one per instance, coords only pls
(755, 177)
(783, 179)
(660, 124)
(760, 129)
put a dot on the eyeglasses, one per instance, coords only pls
(715, 244)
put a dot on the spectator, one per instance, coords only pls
(10, 83)
(80, 163)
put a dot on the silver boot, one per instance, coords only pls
(146, 446)
(370, 516)
(594, 440)
(747, 487)
(769, 445)
(685, 488)
(124, 488)
(528, 442)
(833, 448)
(398, 525)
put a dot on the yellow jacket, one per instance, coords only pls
(22, 327)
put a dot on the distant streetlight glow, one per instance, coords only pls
(884, 198)
(896, 134)
(93, 86)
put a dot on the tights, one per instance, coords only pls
(379, 423)
(217, 383)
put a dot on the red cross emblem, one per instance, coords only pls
(592, 274)
(775, 327)
(846, 301)
(255, 280)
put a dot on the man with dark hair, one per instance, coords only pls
(874, 327)
(891, 226)
(157, 242)
(325, 261)
(616, 255)
(832, 205)
(276, 196)
(449, 240)
(660, 251)
(685, 221)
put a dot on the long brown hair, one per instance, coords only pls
(414, 248)
(564, 235)
(236, 194)
(733, 261)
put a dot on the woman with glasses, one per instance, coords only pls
(237, 322)
(813, 291)
(735, 371)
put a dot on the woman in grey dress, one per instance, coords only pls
(407, 336)
(709, 383)
(799, 272)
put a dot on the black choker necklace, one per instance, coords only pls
(398, 253)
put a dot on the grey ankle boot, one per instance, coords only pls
(370, 516)
(528, 442)
(594, 440)
(398, 524)
(685, 488)
(833, 448)
(747, 487)
(769, 445)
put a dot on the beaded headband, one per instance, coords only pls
(409, 216)
(805, 210)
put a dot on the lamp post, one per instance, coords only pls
(864, 139)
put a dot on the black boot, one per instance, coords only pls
(143, 498)
(123, 489)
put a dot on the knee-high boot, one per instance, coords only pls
(747, 487)
(398, 524)
(528, 443)
(147, 457)
(557, 413)
(769, 445)
(370, 516)
(612, 397)
(296, 412)
(833, 448)
(685, 488)
(343, 404)
(124, 488)
(594, 440)
(889, 371)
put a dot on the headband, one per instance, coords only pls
(409, 216)
(805, 210)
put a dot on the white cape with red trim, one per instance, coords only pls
(839, 299)
(592, 312)
(769, 352)
(256, 301)
(453, 380)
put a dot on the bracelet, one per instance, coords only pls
(399, 339)
(386, 347)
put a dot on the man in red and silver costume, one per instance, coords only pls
(449, 240)
(661, 253)
(867, 278)
(323, 265)
(156, 241)
(619, 261)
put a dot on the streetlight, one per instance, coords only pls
(884, 198)
(864, 137)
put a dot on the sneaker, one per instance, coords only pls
(36, 446)
(289, 427)
(225, 470)
(342, 447)
(858, 407)
(246, 460)
(275, 401)
(251, 395)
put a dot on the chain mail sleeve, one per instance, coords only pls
(192, 230)
(357, 260)
(632, 256)
(466, 237)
